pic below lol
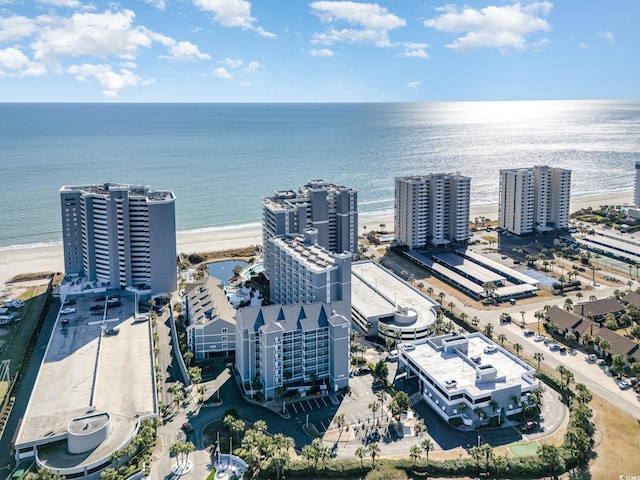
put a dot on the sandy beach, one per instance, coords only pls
(14, 261)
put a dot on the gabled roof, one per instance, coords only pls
(304, 317)
(619, 345)
(632, 298)
(599, 308)
(562, 319)
(208, 302)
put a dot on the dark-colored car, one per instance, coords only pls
(187, 427)
(112, 331)
(528, 426)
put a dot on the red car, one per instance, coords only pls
(528, 426)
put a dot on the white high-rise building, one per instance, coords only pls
(329, 208)
(534, 198)
(120, 235)
(432, 209)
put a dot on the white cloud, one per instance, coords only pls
(253, 67)
(111, 81)
(608, 36)
(14, 63)
(222, 72)
(501, 27)
(61, 3)
(232, 63)
(185, 52)
(414, 50)
(321, 52)
(232, 13)
(413, 86)
(159, 4)
(583, 45)
(16, 27)
(371, 21)
(93, 34)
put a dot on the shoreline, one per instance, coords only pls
(18, 259)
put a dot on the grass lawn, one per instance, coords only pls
(618, 443)
(525, 449)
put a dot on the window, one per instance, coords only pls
(224, 338)
(224, 330)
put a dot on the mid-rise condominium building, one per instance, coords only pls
(534, 198)
(120, 235)
(287, 346)
(305, 272)
(637, 185)
(329, 208)
(432, 209)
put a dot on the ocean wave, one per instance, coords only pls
(30, 245)
(222, 228)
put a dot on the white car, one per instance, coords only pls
(490, 349)
(450, 384)
(393, 355)
(409, 347)
(538, 338)
(66, 311)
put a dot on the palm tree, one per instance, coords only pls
(476, 454)
(381, 396)
(538, 357)
(488, 330)
(502, 337)
(427, 445)
(441, 296)
(550, 456)
(414, 453)
(430, 291)
(604, 346)
(374, 451)
(361, 452)
(522, 312)
(539, 316)
(517, 347)
(579, 296)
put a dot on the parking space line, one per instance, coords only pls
(316, 401)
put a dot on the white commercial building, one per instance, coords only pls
(432, 209)
(469, 377)
(120, 236)
(534, 198)
(383, 304)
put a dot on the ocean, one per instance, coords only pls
(220, 159)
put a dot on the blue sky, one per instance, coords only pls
(318, 51)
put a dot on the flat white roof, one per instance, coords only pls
(470, 268)
(510, 272)
(441, 366)
(84, 370)
(375, 292)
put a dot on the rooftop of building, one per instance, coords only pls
(105, 189)
(311, 255)
(288, 318)
(443, 366)
(85, 371)
(208, 302)
(375, 292)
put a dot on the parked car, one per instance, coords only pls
(528, 426)
(409, 347)
(490, 349)
(68, 310)
(393, 355)
(563, 350)
(112, 331)
(187, 427)
(554, 347)
(538, 338)
(527, 332)
(592, 358)
(624, 385)
(450, 384)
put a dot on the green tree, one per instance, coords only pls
(414, 453)
(361, 452)
(501, 338)
(374, 451)
(386, 472)
(518, 348)
(109, 474)
(195, 374)
(381, 371)
(488, 330)
(550, 456)
(399, 404)
(538, 357)
(427, 445)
